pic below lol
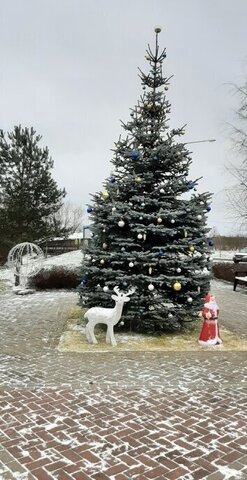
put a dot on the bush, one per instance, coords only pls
(226, 271)
(56, 277)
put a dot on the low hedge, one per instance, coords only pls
(55, 278)
(226, 271)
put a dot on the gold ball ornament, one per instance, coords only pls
(157, 29)
(105, 195)
(102, 261)
(192, 249)
(159, 220)
(104, 245)
(138, 179)
(177, 286)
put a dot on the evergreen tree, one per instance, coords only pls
(29, 195)
(148, 224)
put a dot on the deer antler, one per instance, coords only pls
(116, 290)
(130, 292)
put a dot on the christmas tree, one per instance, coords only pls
(148, 224)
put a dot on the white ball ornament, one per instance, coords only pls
(121, 223)
(159, 220)
(139, 236)
(131, 264)
(113, 209)
(141, 218)
(143, 204)
(162, 190)
(199, 217)
(189, 299)
(150, 287)
(170, 315)
(105, 289)
(172, 220)
(179, 270)
(151, 307)
(102, 261)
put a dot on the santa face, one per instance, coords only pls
(212, 299)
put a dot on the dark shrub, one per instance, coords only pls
(227, 271)
(56, 277)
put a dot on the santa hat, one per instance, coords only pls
(207, 298)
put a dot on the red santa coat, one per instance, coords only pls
(210, 334)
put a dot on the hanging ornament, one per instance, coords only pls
(201, 203)
(208, 209)
(142, 204)
(162, 190)
(150, 287)
(192, 248)
(151, 307)
(112, 179)
(185, 233)
(179, 270)
(144, 236)
(139, 236)
(113, 209)
(103, 230)
(190, 186)
(138, 179)
(84, 281)
(199, 217)
(104, 245)
(105, 289)
(161, 252)
(189, 300)
(159, 220)
(105, 195)
(122, 249)
(135, 155)
(170, 315)
(121, 223)
(89, 209)
(150, 270)
(131, 264)
(140, 218)
(102, 261)
(211, 243)
(172, 220)
(177, 286)
(121, 323)
(199, 289)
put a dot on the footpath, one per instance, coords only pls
(117, 416)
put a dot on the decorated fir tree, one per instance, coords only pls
(148, 224)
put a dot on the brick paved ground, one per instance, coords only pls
(116, 416)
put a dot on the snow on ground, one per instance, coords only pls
(69, 260)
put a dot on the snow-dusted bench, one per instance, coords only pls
(238, 279)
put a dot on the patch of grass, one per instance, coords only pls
(74, 340)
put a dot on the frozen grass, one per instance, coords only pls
(74, 340)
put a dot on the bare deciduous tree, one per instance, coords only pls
(70, 217)
(237, 194)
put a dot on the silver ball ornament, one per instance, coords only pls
(121, 223)
(150, 287)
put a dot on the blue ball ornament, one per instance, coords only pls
(161, 253)
(112, 179)
(211, 243)
(84, 281)
(125, 284)
(89, 209)
(122, 249)
(190, 186)
(208, 209)
(135, 155)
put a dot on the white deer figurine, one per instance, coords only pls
(108, 316)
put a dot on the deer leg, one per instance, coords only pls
(91, 333)
(111, 334)
(88, 334)
(107, 338)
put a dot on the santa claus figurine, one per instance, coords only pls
(210, 334)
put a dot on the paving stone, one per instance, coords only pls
(161, 415)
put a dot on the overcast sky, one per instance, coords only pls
(69, 68)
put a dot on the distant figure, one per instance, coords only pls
(210, 334)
